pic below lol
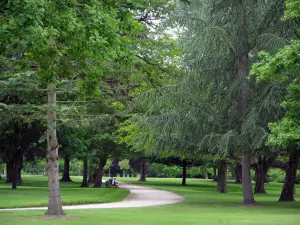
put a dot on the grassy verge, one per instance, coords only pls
(203, 206)
(34, 193)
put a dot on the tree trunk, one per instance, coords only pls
(92, 175)
(183, 174)
(261, 168)
(85, 182)
(54, 200)
(206, 174)
(98, 180)
(288, 191)
(215, 174)
(66, 175)
(14, 178)
(16, 170)
(246, 179)
(143, 171)
(222, 179)
(238, 173)
(9, 168)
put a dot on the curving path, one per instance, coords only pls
(140, 196)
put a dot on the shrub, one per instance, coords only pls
(156, 170)
(172, 171)
(276, 175)
(196, 171)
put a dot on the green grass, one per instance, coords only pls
(203, 206)
(34, 192)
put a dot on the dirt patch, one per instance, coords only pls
(57, 217)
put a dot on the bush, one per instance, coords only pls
(196, 171)
(172, 171)
(161, 170)
(156, 170)
(276, 175)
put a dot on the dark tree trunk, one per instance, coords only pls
(98, 180)
(215, 174)
(15, 173)
(66, 175)
(14, 179)
(222, 177)
(9, 171)
(261, 168)
(238, 173)
(288, 191)
(143, 170)
(246, 180)
(85, 182)
(183, 174)
(54, 200)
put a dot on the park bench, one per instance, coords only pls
(108, 183)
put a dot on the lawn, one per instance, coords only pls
(34, 192)
(203, 206)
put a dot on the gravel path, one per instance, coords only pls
(140, 196)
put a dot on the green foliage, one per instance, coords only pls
(34, 167)
(276, 175)
(124, 164)
(283, 68)
(196, 171)
(213, 108)
(162, 170)
(298, 177)
(156, 170)
(172, 171)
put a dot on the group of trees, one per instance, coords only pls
(176, 82)
(228, 104)
(68, 71)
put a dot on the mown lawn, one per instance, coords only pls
(203, 206)
(34, 192)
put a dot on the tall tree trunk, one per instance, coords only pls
(98, 180)
(66, 174)
(288, 191)
(238, 173)
(143, 170)
(222, 179)
(85, 182)
(183, 173)
(54, 200)
(206, 173)
(261, 169)
(246, 179)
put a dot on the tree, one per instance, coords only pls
(283, 68)
(215, 109)
(62, 51)
(124, 166)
